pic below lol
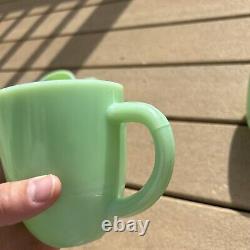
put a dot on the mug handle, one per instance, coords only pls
(163, 138)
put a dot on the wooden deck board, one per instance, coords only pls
(14, 9)
(196, 92)
(182, 225)
(199, 92)
(212, 162)
(200, 43)
(135, 13)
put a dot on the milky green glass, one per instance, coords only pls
(75, 129)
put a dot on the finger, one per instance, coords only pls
(23, 199)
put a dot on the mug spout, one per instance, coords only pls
(59, 75)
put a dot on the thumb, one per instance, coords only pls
(21, 200)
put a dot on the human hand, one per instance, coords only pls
(19, 201)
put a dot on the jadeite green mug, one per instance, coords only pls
(75, 129)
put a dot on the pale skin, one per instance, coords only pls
(22, 200)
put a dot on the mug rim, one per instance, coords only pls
(26, 87)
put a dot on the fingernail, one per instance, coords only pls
(40, 189)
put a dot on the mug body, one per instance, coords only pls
(61, 128)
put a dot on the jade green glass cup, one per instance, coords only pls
(75, 129)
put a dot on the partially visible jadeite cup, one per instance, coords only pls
(75, 129)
